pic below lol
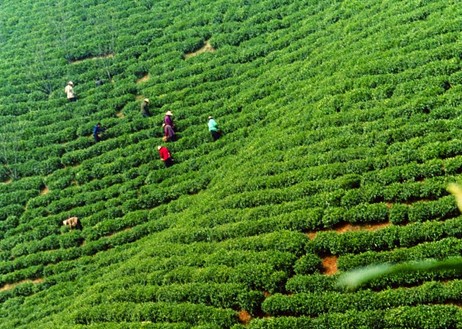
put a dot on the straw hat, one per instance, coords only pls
(70, 83)
(168, 113)
(159, 147)
(146, 100)
(210, 117)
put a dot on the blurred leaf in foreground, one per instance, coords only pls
(356, 278)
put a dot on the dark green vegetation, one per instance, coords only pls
(334, 113)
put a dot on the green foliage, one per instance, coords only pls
(132, 312)
(335, 115)
(308, 264)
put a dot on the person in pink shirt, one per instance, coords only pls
(168, 119)
(169, 133)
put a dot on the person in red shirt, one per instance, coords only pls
(165, 156)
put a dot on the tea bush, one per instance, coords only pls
(335, 117)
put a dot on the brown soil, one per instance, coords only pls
(311, 235)
(120, 115)
(92, 58)
(330, 265)
(367, 227)
(349, 228)
(9, 286)
(8, 181)
(207, 47)
(144, 79)
(44, 191)
(244, 317)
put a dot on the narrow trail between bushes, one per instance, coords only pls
(330, 263)
(366, 227)
(351, 228)
(144, 78)
(206, 48)
(10, 286)
(244, 317)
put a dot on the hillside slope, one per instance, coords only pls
(341, 125)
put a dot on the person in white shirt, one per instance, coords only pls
(69, 90)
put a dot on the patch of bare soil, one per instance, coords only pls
(120, 115)
(45, 190)
(206, 48)
(143, 79)
(367, 227)
(330, 265)
(375, 227)
(350, 228)
(244, 317)
(10, 286)
(311, 235)
(92, 58)
(8, 181)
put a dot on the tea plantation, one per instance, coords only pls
(341, 129)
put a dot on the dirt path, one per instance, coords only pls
(330, 265)
(206, 48)
(144, 79)
(244, 317)
(10, 286)
(351, 228)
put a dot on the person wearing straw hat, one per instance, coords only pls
(213, 128)
(165, 156)
(73, 222)
(69, 90)
(145, 108)
(168, 119)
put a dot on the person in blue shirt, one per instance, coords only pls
(97, 132)
(213, 128)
